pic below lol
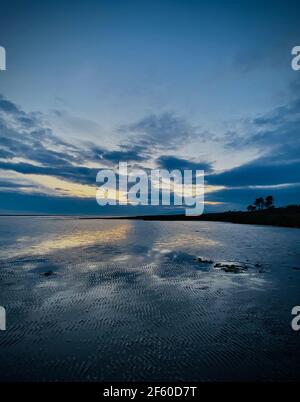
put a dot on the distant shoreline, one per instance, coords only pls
(282, 217)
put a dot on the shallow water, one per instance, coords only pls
(126, 300)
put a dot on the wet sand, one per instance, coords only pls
(130, 300)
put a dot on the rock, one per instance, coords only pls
(230, 267)
(204, 260)
(296, 268)
(48, 273)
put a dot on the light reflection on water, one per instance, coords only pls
(127, 300)
(135, 240)
(66, 237)
(80, 238)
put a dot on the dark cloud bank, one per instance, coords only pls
(27, 146)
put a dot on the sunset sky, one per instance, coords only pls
(171, 84)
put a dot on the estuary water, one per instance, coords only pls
(128, 300)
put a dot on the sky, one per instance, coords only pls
(158, 84)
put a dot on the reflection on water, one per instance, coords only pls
(80, 238)
(178, 240)
(64, 236)
(128, 300)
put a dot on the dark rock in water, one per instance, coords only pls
(48, 273)
(257, 265)
(296, 268)
(204, 260)
(230, 267)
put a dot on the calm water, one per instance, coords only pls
(126, 300)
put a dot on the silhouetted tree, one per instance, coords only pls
(269, 201)
(259, 203)
(251, 208)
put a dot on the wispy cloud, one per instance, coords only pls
(163, 131)
(171, 162)
(39, 160)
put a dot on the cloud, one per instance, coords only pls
(258, 173)
(164, 131)
(14, 185)
(74, 124)
(28, 147)
(127, 153)
(239, 198)
(171, 162)
(274, 134)
(77, 174)
(50, 204)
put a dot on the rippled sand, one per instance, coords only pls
(127, 300)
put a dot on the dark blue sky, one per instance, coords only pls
(155, 83)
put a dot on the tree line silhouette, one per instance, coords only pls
(261, 203)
